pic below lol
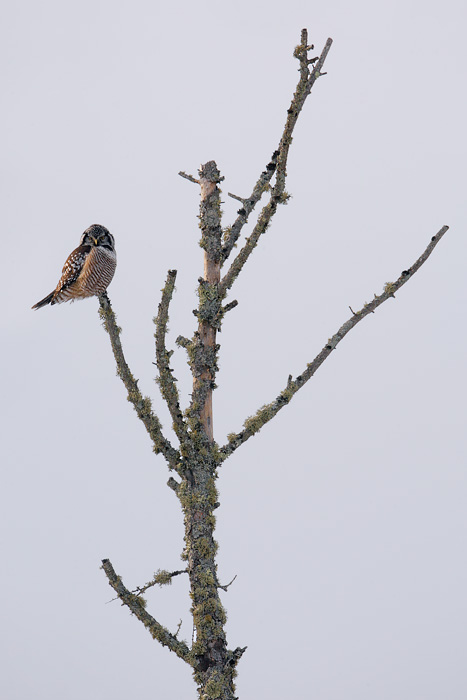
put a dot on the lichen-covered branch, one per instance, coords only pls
(278, 164)
(305, 84)
(262, 185)
(166, 380)
(137, 606)
(142, 404)
(160, 578)
(266, 413)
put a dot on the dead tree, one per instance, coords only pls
(196, 460)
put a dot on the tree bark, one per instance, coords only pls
(214, 665)
(212, 239)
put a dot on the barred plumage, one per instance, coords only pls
(88, 270)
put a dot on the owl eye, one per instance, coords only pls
(85, 273)
(106, 240)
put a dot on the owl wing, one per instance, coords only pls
(72, 267)
(70, 273)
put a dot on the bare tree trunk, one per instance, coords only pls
(212, 243)
(214, 664)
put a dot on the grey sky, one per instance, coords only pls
(345, 519)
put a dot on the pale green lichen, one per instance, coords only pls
(254, 423)
(206, 578)
(204, 547)
(289, 391)
(137, 599)
(215, 686)
(163, 578)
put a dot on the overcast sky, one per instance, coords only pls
(345, 519)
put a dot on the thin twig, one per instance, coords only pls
(305, 84)
(161, 578)
(224, 588)
(166, 379)
(235, 196)
(261, 186)
(253, 424)
(188, 177)
(279, 164)
(136, 605)
(142, 405)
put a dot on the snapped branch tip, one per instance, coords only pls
(188, 177)
(235, 196)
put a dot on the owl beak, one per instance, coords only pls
(95, 240)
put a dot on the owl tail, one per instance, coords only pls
(43, 302)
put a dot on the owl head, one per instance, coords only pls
(97, 235)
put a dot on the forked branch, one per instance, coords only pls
(278, 165)
(136, 604)
(248, 204)
(142, 404)
(266, 413)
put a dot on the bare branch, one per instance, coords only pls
(306, 82)
(224, 588)
(161, 578)
(235, 196)
(136, 605)
(263, 221)
(188, 177)
(278, 164)
(253, 424)
(237, 654)
(166, 379)
(248, 204)
(142, 405)
(231, 305)
(183, 342)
